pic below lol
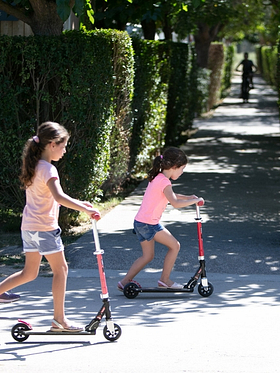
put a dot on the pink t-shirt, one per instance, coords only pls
(154, 201)
(41, 210)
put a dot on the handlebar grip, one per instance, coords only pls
(200, 203)
(96, 216)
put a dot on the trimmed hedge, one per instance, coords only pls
(167, 97)
(227, 70)
(181, 93)
(75, 79)
(267, 63)
(149, 102)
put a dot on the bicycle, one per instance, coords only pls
(245, 87)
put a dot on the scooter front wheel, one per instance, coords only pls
(18, 332)
(205, 291)
(112, 336)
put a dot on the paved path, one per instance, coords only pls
(234, 164)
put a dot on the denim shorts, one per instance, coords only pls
(43, 242)
(146, 232)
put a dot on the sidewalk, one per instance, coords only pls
(234, 163)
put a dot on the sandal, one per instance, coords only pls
(121, 286)
(173, 286)
(60, 328)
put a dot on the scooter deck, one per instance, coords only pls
(162, 290)
(49, 332)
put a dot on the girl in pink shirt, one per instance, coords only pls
(39, 229)
(159, 192)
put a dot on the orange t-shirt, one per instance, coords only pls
(154, 201)
(41, 210)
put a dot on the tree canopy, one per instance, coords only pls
(207, 20)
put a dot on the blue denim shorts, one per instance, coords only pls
(43, 242)
(146, 232)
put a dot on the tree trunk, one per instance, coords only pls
(167, 29)
(203, 38)
(149, 29)
(44, 19)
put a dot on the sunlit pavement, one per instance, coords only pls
(234, 164)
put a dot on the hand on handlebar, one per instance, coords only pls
(96, 216)
(200, 202)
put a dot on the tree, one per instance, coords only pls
(213, 18)
(207, 20)
(152, 15)
(45, 17)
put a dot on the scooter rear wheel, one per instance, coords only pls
(18, 332)
(130, 290)
(112, 337)
(205, 291)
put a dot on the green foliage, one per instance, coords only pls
(203, 84)
(267, 63)
(166, 98)
(227, 70)
(70, 79)
(123, 64)
(149, 102)
(180, 108)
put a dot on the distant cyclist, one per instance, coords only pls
(248, 67)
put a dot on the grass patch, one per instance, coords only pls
(10, 222)
(11, 260)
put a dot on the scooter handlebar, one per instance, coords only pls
(96, 216)
(200, 203)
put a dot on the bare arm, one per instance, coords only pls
(236, 69)
(179, 200)
(67, 201)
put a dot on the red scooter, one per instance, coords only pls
(205, 288)
(111, 331)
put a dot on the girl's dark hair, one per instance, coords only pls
(171, 157)
(46, 133)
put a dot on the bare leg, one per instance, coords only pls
(29, 273)
(165, 237)
(148, 249)
(60, 271)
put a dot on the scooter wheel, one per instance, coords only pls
(18, 332)
(130, 290)
(205, 291)
(112, 337)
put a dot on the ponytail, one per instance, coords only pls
(156, 168)
(34, 147)
(172, 157)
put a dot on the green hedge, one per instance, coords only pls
(267, 63)
(149, 102)
(181, 93)
(75, 79)
(166, 98)
(227, 70)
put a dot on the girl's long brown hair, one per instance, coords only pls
(32, 152)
